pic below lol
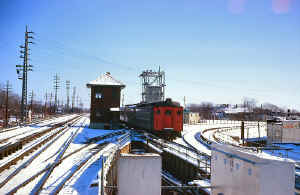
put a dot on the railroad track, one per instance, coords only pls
(197, 158)
(47, 168)
(22, 133)
(15, 145)
(33, 123)
(219, 130)
(35, 146)
(45, 173)
(62, 151)
(48, 142)
(92, 157)
(51, 139)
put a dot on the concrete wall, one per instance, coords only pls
(139, 174)
(291, 132)
(236, 172)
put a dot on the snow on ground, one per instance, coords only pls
(80, 183)
(190, 132)
(82, 180)
(28, 146)
(30, 129)
(45, 158)
(251, 132)
(89, 171)
(66, 167)
(203, 183)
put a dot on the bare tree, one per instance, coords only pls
(249, 103)
(205, 109)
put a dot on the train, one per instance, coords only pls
(163, 118)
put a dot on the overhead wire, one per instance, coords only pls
(79, 53)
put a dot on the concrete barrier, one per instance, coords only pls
(139, 174)
(241, 172)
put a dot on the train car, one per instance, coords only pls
(163, 118)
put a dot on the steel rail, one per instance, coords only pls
(35, 147)
(23, 184)
(65, 146)
(28, 162)
(78, 167)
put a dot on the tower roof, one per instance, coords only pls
(105, 80)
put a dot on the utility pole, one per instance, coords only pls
(31, 101)
(7, 88)
(73, 98)
(24, 68)
(77, 101)
(68, 94)
(51, 101)
(30, 113)
(243, 132)
(45, 107)
(56, 87)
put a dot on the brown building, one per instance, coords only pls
(105, 94)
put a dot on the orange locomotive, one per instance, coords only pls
(163, 118)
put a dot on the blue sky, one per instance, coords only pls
(217, 50)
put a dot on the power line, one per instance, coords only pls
(75, 52)
(24, 69)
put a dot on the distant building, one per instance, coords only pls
(287, 131)
(191, 117)
(105, 95)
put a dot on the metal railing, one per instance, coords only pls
(109, 156)
(197, 158)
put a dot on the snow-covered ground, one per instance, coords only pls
(190, 133)
(80, 182)
(30, 129)
(203, 183)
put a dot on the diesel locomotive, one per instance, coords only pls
(164, 118)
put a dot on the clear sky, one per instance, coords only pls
(211, 50)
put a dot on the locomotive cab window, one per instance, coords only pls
(98, 95)
(168, 112)
(158, 112)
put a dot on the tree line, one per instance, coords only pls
(249, 109)
(37, 107)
